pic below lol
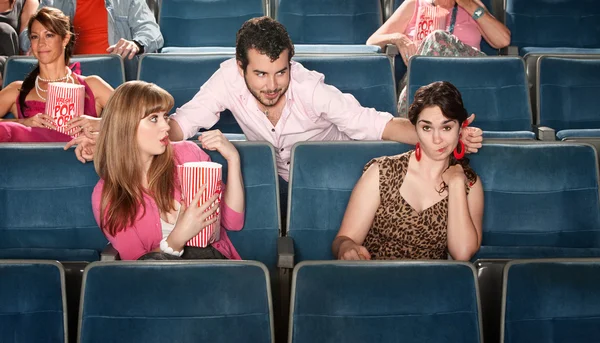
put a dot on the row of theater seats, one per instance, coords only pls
(494, 88)
(536, 25)
(543, 301)
(541, 201)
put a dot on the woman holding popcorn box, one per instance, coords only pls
(157, 199)
(53, 103)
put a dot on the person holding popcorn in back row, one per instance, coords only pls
(52, 44)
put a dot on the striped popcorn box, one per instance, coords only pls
(429, 19)
(192, 176)
(65, 102)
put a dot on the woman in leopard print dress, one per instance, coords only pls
(423, 204)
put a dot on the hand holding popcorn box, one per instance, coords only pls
(65, 102)
(192, 176)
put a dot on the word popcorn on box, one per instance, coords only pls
(65, 101)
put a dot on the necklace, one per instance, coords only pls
(64, 78)
(453, 18)
(38, 89)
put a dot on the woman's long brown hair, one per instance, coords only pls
(117, 158)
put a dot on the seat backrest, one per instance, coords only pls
(182, 75)
(109, 67)
(188, 23)
(541, 200)
(32, 302)
(330, 21)
(228, 301)
(323, 175)
(371, 81)
(380, 301)
(567, 92)
(258, 239)
(551, 301)
(46, 212)
(551, 23)
(494, 88)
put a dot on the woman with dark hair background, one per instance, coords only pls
(423, 204)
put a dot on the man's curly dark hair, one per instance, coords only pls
(264, 34)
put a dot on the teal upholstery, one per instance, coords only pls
(568, 99)
(330, 21)
(375, 301)
(47, 212)
(554, 301)
(541, 200)
(258, 239)
(191, 23)
(322, 177)
(196, 301)
(553, 24)
(182, 76)
(371, 81)
(32, 302)
(109, 67)
(298, 49)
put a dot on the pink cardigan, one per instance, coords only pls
(145, 234)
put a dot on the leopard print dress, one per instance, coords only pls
(398, 231)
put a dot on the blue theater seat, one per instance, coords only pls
(494, 88)
(376, 301)
(298, 49)
(330, 21)
(371, 81)
(550, 26)
(541, 200)
(32, 302)
(322, 177)
(191, 301)
(258, 239)
(182, 75)
(46, 211)
(109, 67)
(554, 301)
(212, 23)
(568, 98)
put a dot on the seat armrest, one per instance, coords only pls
(510, 51)
(109, 253)
(391, 50)
(544, 133)
(285, 252)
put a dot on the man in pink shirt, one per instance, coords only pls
(277, 100)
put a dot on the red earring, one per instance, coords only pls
(459, 155)
(418, 151)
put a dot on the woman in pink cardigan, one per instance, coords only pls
(138, 195)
